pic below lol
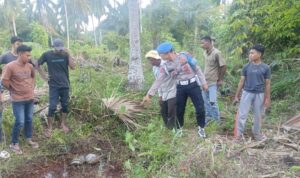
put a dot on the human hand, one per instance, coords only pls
(45, 77)
(267, 103)
(236, 100)
(205, 87)
(220, 83)
(174, 73)
(146, 101)
(160, 100)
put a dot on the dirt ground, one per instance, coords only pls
(59, 166)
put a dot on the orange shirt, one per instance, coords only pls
(21, 78)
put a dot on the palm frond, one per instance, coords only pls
(126, 110)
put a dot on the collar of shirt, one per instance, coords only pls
(208, 52)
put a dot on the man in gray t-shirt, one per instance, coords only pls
(255, 76)
(11, 55)
(255, 82)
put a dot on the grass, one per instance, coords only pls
(151, 151)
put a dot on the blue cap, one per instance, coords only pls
(164, 47)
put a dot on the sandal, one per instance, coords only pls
(33, 145)
(15, 148)
(48, 133)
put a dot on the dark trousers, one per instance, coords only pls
(58, 94)
(168, 112)
(193, 91)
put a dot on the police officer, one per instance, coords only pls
(177, 66)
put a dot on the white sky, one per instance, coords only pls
(89, 27)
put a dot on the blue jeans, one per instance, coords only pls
(23, 112)
(211, 102)
(55, 94)
(193, 91)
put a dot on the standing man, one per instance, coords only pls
(166, 92)
(177, 66)
(256, 84)
(18, 78)
(5, 59)
(215, 69)
(58, 63)
(11, 55)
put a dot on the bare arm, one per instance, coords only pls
(202, 78)
(42, 72)
(267, 102)
(5, 83)
(72, 64)
(157, 83)
(6, 75)
(239, 89)
(221, 73)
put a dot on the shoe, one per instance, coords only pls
(33, 144)
(15, 148)
(201, 132)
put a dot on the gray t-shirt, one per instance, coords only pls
(7, 58)
(255, 76)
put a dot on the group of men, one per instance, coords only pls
(18, 77)
(177, 77)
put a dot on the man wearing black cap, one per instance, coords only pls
(177, 65)
(255, 82)
(58, 63)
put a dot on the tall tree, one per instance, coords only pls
(12, 7)
(97, 9)
(135, 72)
(117, 18)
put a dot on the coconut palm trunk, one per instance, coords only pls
(67, 24)
(135, 72)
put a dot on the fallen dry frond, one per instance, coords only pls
(127, 110)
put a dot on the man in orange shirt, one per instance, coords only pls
(18, 78)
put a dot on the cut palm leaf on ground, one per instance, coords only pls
(126, 110)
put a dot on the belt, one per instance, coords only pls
(186, 82)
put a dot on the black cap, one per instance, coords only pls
(15, 39)
(58, 44)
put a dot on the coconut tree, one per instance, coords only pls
(97, 8)
(42, 11)
(135, 72)
(72, 15)
(11, 10)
